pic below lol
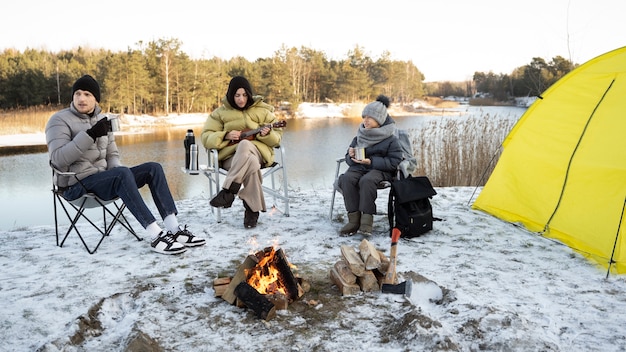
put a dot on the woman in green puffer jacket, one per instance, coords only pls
(242, 156)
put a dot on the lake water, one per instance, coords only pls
(312, 147)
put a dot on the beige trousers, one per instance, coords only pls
(244, 167)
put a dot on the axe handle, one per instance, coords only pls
(390, 276)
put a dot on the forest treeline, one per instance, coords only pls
(157, 77)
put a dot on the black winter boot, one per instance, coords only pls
(250, 218)
(226, 197)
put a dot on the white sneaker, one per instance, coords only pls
(166, 244)
(188, 239)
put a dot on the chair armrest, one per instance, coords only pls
(56, 172)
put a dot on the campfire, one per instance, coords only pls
(264, 282)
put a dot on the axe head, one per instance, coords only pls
(403, 288)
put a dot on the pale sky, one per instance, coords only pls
(445, 39)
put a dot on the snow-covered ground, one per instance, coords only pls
(490, 286)
(479, 284)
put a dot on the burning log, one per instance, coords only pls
(273, 274)
(264, 283)
(261, 306)
(240, 276)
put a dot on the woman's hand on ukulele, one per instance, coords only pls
(233, 135)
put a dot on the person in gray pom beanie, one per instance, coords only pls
(378, 161)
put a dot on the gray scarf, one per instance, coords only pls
(368, 137)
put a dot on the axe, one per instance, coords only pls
(390, 284)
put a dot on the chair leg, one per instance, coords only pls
(104, 230)
(285, 185)
(56, 221)
(121, 219)
(74, 220)
(213, 174)
(332, 199)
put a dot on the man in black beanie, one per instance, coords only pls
(79, 140)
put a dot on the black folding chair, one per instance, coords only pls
(75, 210)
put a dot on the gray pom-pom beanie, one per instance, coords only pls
(377, 109)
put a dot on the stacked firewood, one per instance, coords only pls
(359, 271)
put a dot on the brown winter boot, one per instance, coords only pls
(367, 220)
(352, 226)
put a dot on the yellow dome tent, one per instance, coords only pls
(562, 172)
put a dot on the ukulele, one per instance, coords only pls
(249, 134)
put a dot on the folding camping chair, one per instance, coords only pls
(407, 167)
(213, 172)
(75, 210)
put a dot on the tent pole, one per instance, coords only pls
(482, 178)
(616, 237)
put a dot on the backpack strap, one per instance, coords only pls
(391, 209)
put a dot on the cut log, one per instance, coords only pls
(368, 282)
(384, 262)
(345, 288)
(344, 271)
(222, 281)
(240, 276)
(355, 263)
(305, 285)
(220, 284)
(279, 301)
(369, 255)
(261, 306)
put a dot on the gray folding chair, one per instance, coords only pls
(277, 190)
(75, 210)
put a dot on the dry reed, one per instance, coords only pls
(459, 152)
(31, 120)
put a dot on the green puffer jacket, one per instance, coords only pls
(225, 119)
(70, 148)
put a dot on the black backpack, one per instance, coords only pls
(409, 206)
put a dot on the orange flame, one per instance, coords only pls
(265, 276)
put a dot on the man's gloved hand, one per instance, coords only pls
(99, 129)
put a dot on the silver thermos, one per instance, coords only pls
(193, 164)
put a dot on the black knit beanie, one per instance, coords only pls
(236, 83)
(88, 84)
